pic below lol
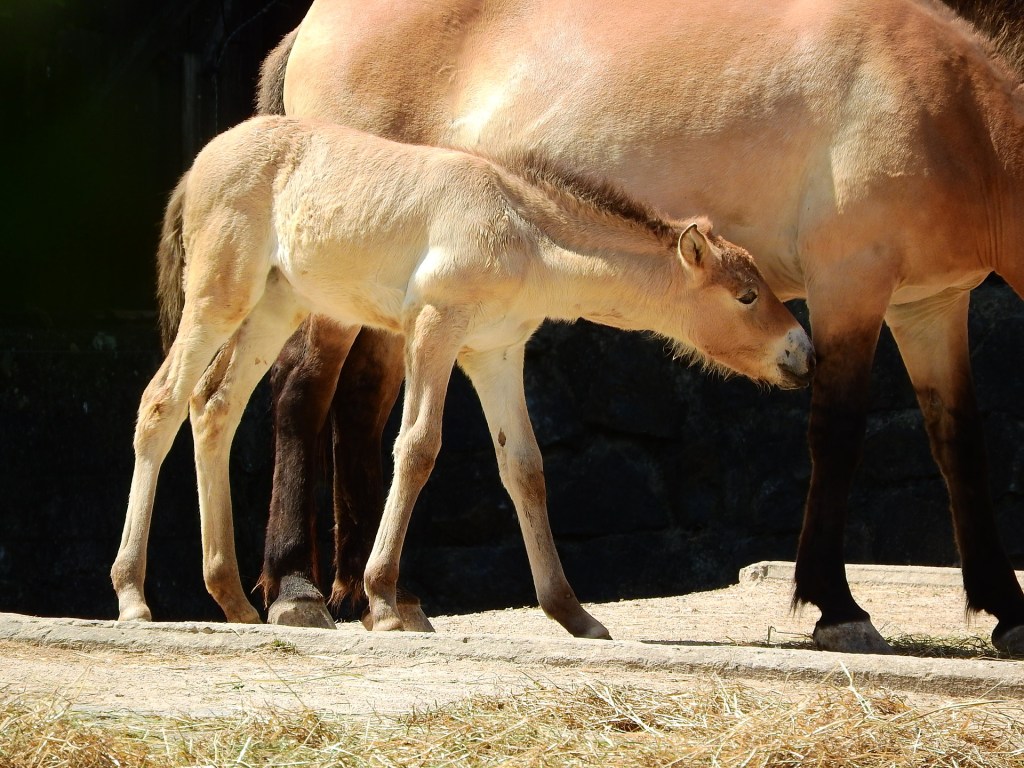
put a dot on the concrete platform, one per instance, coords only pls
(708, 634)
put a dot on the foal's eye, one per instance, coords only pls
(747, 297)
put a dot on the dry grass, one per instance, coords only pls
(921, 646)
(956, 647)
(709, 723)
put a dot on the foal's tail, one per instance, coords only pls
(170, 266)
(270, 91)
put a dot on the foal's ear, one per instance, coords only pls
(692, 246)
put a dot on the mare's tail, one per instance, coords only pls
(270, 90)
(170, 266)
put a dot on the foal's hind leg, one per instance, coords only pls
(161, 412)
(303, 380)
(432, 341)
(498, 378)
(932, 337)
(370, 381)
(216, 409)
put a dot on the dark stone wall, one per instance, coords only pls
(660, 479)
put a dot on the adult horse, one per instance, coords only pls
(869, 152)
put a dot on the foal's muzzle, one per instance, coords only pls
(796, 362)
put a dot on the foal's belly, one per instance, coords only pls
(346, 291)
(376, 309)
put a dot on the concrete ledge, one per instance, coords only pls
(964, 678)
(918, 575)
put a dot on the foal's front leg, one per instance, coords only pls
(432, 341)
(498, 378)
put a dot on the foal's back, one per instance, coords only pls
(353, 221)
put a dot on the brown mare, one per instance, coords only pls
(869, 152)
(460, 258)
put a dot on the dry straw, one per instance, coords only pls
(705, 723)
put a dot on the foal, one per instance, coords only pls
(279, 218)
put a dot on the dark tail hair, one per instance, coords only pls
(270, 90)
(170, 266)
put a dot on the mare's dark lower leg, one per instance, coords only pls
(958, 446)
(303, 381)
(836, 437)
(945, 392)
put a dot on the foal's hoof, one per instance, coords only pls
(385, 624)
(411, 613)
(587, 628)
(299, 604)
(410, 619)
(136, 613)
(1009, 641)
(581, 624)
(598, 632)
(243, 614)
(851, 637)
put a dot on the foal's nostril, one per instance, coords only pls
(798, 372)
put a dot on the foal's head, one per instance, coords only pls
(733, 320)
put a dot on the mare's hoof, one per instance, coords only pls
(299, 604)
(300, 613)
(1010, 641)
(851, 637)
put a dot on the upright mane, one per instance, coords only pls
(997, 24)
(599, 195)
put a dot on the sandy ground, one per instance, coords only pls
(349, 674)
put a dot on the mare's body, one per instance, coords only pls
(869, 152)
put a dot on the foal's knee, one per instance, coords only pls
(158, 420)
(416, 453)
(209, 415)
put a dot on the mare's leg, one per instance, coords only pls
(498, 379)
(846, 325)
(367, 390)
(932, 337)
(161, 411)
(303, 381)
(432, 340)
(216, 408)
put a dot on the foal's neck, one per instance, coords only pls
(624, 291)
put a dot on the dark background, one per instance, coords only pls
(660, 479)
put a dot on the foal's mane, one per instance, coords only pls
(586, 190)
